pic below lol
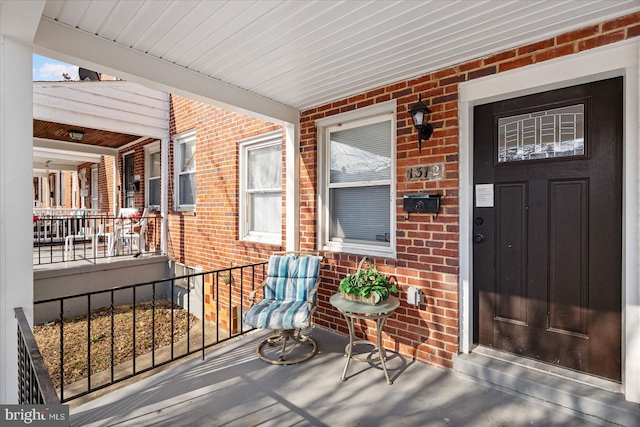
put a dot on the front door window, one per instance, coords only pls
(544, 134)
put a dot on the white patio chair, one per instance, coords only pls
(102, 233)
(70, 241)
(132, 234)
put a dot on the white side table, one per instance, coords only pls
(354, 310)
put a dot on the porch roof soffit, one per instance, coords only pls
(55, 159)
(61, 155)
(71, 45)
(47, 145)
(59, 132)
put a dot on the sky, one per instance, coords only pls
(47, 69)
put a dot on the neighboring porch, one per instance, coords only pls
(90, 237)
(231, 386)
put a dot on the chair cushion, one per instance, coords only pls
(273, 314)
(291, 278)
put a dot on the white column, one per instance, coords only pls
(57, 190)
(292, 213)
(74, 190)
(164, 194)
(16, 270)
(116, 184)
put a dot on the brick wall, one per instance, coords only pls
(427, 248)
(208, 238)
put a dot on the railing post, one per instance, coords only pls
(153, 325)
(111, 308)
(204, 288)
(62, 349)
(89, 343)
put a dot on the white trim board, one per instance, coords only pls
(620, 59)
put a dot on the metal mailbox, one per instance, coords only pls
(429, 203)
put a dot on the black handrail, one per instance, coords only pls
(34, 383)
(232, 291)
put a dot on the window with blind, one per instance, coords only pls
(261, 189)
(184, 154)
(357, 194)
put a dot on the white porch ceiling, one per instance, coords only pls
(303, 54)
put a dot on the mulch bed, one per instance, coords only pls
(76, 338)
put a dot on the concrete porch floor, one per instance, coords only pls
(232, 387)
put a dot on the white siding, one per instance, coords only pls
(116, 106)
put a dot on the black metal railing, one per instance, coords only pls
(217, 298)
(34, 383)
(70, 237)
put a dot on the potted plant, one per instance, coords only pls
(366, 285)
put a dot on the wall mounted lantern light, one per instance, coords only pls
(419, 112)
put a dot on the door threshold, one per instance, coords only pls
(594, 398)
(547, 368)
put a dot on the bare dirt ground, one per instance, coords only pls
(102, 347)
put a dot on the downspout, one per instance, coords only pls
(164, 194)
(292, 191)
(116, 202)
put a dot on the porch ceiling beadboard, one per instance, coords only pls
(306, 54)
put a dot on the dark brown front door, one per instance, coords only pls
(548, 226)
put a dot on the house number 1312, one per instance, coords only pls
(425, 172)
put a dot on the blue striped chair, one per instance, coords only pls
(287, 307)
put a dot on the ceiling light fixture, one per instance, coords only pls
(76, 134)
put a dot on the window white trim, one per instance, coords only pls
(356, 118)
(245, 234)
(177, 140)
(150, 149)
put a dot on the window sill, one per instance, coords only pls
(263, 238)
(185, 209)
(374, 251)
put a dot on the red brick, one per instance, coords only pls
(633, 31)
(535, 47)
(517, 63)
(601, 40)
(472, 65)
(623, 21)
(578, 34)
(499, 57)
(564, 50)
(482, 72)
